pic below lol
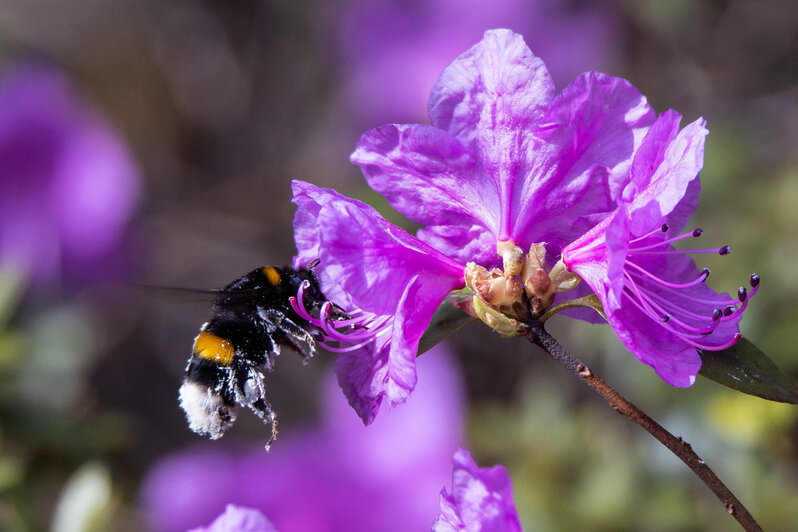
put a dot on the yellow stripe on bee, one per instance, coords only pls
(272, 275)
(213, 348)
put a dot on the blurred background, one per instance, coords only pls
(149, 144)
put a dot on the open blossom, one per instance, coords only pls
(653, 295)
(68, 183)
(481, 499)
(505, 164)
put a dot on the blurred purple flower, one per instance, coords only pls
(68, 184)
(392, 51)
(340, 476)
(653, 295)
(481, 499)
(238, 519)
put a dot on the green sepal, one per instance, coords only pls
(446, 321)
(743, 367)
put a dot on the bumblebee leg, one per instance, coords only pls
(252, 394)
(299, 337)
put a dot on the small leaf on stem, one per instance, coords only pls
(743, 367)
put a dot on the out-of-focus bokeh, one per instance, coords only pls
(148, 144)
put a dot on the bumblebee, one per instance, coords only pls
(251, 319)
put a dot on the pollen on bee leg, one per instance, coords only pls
(205, 409)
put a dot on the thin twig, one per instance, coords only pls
(679, 447)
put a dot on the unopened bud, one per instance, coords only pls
(512, 257)
(495, 290)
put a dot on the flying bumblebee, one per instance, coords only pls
(251, 319)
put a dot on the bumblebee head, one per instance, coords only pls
(205, 409)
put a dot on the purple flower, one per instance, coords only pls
(338, 476)
(68, 182)
(506, 159)
(392, 51)
(505, 163)
(652, 294)
(239, 519)
(481, 499)
(387, 280)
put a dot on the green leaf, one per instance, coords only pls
(745, 368)
(447, 320)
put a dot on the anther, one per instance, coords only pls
(704, 274)
(717, 314)
(754, 280)
(698, 232)
(742, 293)
(666, 318)
(665, 228)
(728, 311)
(725, 250)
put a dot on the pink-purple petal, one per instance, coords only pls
(239, 519)
(481, 499)
(681, 161)
(495, 85)
(387, 369)
(592, 129)
(367, 264)
(463, 243)
(426, 174)
(675, 361)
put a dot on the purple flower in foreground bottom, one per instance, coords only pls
(653, 295)
(387, 280)
(68, 183)
(239, 519)
(481, 499)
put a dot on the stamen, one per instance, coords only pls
(657, 309)
(725, 250)
(701, 278)
(687, 338)
(663, 229)
(742, 293)
(694, 234)
(671, 306)
(358, 326)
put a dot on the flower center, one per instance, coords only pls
(671, 304)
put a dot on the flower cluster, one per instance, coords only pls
(508, 178)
